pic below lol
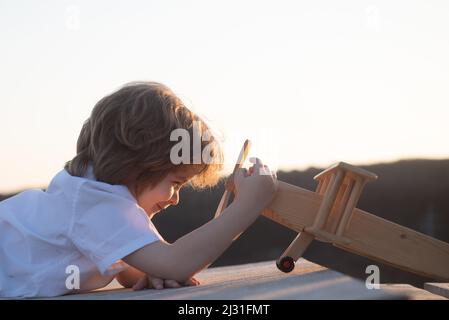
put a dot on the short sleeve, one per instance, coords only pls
(108, 225)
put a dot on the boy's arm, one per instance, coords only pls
(195, 251)
(129, 277)
(133, 278)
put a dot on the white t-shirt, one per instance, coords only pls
(76, 224)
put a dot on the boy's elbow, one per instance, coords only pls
(160, 260)
(124, 281)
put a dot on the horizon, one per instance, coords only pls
(287, 171)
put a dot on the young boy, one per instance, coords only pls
(94, 220)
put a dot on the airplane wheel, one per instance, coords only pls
(286, 264)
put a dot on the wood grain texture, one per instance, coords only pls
(370, 236)
(262, 280)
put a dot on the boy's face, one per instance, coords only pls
(165, 193)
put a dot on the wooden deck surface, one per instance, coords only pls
(260, 281)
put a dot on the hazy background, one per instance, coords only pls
(310, 82)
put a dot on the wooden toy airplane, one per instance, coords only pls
(329, 214)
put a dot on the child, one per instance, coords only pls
(93, 223)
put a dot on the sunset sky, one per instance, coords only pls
(309, 82)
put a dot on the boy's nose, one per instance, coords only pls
(175, 198)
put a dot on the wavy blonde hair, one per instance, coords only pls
(127, 139)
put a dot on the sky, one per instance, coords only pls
(309, 82)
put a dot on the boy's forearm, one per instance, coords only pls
(196, 250)
(201, 247)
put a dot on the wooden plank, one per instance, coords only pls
(398, 246)
(350, 169)
(293, 207)
(299, 245)
(412, 292)
(227, 193)
(328, 200)
(441, 289)
(262, 281)
(371, 236)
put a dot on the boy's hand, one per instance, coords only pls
(148, 282)
(255, 187)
